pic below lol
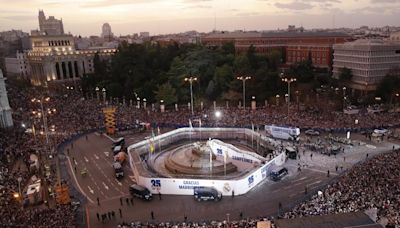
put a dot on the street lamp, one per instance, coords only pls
(288, 81)
(43, 115)
(138, 102)
(243, 79)
(190, 80)
(97, 93)
(344, 97)
(104, 95)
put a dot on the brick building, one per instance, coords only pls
(294, 46)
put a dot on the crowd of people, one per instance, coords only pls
(370, 185)
(68, 114)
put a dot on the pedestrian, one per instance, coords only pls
(98, 216)
(241, 215)
(72, 145)
(367, 155)
(341, 168)
(233, 193)
(311, 155)
(102, 218)
(98, 201)
(393, 148)
(159, 195)
(127, 201)
(336, 168)
(152, 215)
(86, 137)
(120, 212)
(132, 201)
(75, 168)
(298, 156)
(185, 217)
(305, 190)
(328, 173)
(113, 214)
(120, 200)
(109, 215)
(344, 158)
(68, 151)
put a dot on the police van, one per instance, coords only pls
(140, 192)
(276, 175)
(206, 194)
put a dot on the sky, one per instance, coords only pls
(85, 17)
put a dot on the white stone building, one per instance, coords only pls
(5, 110)
(54, 58)
(19, 65)
(369, 61)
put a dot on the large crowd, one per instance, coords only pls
(370, 185)
(72, 114)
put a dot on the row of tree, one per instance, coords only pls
(157, 73)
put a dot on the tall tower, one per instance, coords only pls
(106, 32)
(5, 110)
(42, 20)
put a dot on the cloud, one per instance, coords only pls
(191, 1)
(107, 3)
(198, 7)
(383, 1)
(20, 18)
(294, 5)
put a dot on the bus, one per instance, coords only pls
(287, 133)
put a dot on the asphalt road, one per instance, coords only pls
(94, 154)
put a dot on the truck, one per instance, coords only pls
(119, 171)
(282, 132)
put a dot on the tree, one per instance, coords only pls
(167, 93)
(345, 74)
(389, 84)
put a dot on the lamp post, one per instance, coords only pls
(288, 81)
(97, 93)
(344, 97)
(243, 79)
(19, 185)
(190, 80)
(144, 103)
(104, 95)
(43, 114)
(138, 102)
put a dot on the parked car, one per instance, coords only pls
(312, 132)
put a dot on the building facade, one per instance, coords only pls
(50, 25)
(55, 59)
(5, 110)
(294, 46)
(369, 61)
(19, 65)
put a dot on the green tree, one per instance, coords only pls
(389, 85)
(167, 93)
(345, 74)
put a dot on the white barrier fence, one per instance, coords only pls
(182, 186)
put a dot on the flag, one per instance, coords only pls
(190, 124)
